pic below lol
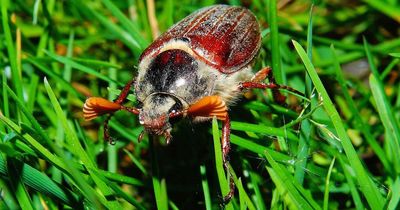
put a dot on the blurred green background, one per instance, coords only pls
(336, 148)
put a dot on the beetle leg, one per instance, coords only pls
(141, 135)
(125, 92)
(279, 98)
(262, 74)
(121, 98)
(106, 132)
(168, 137)
(210, 106)
(226, 147)
(256, 82)
(95, 106)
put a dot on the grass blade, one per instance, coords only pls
(72, 140)
(284, 183)
(16, 74)
(206, 190)
(275, 43)
(359, 123)
(370, 191)
(327, 181)
(40, 182)
(385, 112)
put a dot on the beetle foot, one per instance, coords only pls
(141, 135)
(168, 137)
(240, 87)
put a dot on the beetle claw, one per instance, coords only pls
(141, 135)
(168, 137)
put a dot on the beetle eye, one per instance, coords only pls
(176, 107)
(185, 39)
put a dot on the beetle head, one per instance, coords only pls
(157, 110)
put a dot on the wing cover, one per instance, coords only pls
(225, 37)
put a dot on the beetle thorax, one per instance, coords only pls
(174, 71)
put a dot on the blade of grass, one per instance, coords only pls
(72, 139)
(272, 131)
(388, 120)
(245, 201)
(65, 166)
(40, 182)
(259, 149)
(58, 163)
(327, 181)
(370, 191)
(382, 48)
(6, 108)
(136, 162)
(359, 123)
(32, 91)
(16, 74)
(389, 68)
(127, 24)
(345, 58)
(8, 200)
(36, 145)
(67, 68)
(94, 62)
(275, 45)
(285, 185)
(142, 13)
(242, 198)
(306, 126)
(73, 64)
(394, 201)
(255, 181)
(390, 10)
(18, 186)
(353, 189)
(385, 112)
(64, 84)
(112, 157)
(206, 189)
(158, 185)
(113, 28)
(120, 178)
(173, 205)
(119, 192)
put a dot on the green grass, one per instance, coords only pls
(335, 148)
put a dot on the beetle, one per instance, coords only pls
(196, 69)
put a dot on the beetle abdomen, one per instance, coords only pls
(224, 37)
